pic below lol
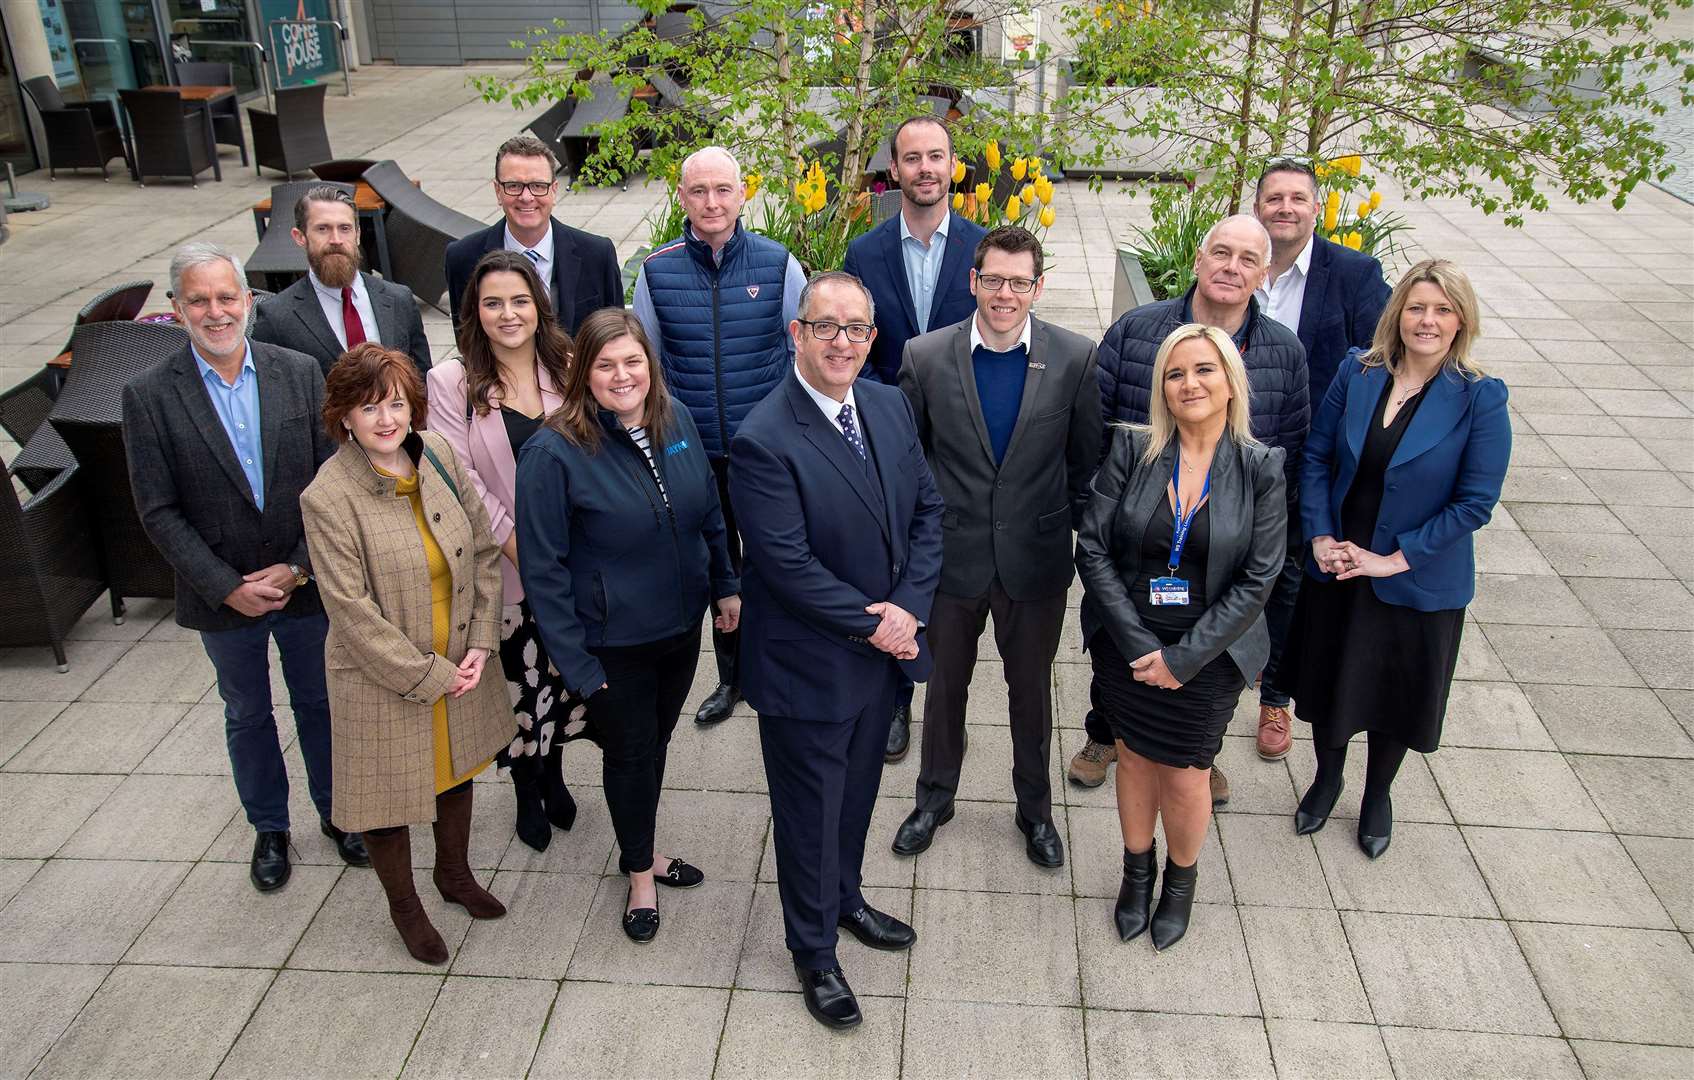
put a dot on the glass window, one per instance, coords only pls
(207, 30)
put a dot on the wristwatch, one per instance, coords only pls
(300, 575)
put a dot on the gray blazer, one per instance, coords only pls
(294, 319)
(193, 498)
(1249, 525)
(1013, 520)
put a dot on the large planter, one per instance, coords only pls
(1129, 284)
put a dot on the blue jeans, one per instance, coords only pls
(1279, 620)
(242, 660)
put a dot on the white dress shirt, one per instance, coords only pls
(976, 336)
(330, 300)
(1284, 298)
(543, 265)
(831, 408)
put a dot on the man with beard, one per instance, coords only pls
(917, 265)
(335, 306)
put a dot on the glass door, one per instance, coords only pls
(16, 147)
(103, 46)
(218, 31)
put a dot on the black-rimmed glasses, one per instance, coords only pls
(992, 282)
(823, 330)
(514, 188)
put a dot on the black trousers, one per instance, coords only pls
(1274, 687)
(1027, 633)
(823, 778)
(726, 646)
(635, 715)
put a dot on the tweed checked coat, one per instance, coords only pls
(384, 675)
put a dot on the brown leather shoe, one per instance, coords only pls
(1220, 787)
(1275, 737)
(1088, 766)
(453, 875)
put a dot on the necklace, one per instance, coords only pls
(1408, 394)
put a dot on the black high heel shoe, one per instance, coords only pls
(1135, 896)
(1306, 822)
(1374, 845)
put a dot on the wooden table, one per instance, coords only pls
(366, 203)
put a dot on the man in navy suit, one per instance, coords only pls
(841, 533)
(917, 265)
(1332, 297)
(580, 268)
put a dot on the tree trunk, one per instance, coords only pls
(1249, 76)
(1290, 58)
(785, 78)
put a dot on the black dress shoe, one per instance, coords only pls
(270, 868)
(349, 845)
(899, 734)
(715, 709)
(878, 930)
(1308, 820)
(679, 875)
(828, 997)
(1379, 820)
(917, 832)
(642, 924)
(1135, 896)
(1176, 904)
(1042, 845)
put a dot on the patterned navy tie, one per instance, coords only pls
(534, 256)
(850, 431)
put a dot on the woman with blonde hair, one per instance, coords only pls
(1183, 537)
(1404, 463)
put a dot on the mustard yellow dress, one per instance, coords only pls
(441, 605)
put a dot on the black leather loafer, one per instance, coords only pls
(679, 875)
(899, 734)
(270, 869)
(828, 997)
(641, 925)
(1042, 845)
(715, 709)
(917, 832)
(878, 930)
(349, 845)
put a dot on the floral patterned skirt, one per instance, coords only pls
(545, 711)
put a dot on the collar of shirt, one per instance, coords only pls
(359, 292)
(827, 405)
(940, 230)
(543, 249)
(976, 334)
(717, 252)
(1297, 272)
(208, 372)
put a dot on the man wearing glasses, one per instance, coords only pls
(580, 267)
(1008, 411)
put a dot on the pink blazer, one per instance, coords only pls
(486, 452)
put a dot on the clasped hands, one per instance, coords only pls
(262, 591)
(468, 673)
(897, 634)
(1151, 669)
(1345, 560)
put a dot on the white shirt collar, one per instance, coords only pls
(329, 293)
(827, 405)
(976, 334)
(543, 249)
(1302, 264)
(940, 230)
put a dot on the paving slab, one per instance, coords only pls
(156, 817)
(1433, 1052)
(1206, 972)
(352, 931)
(1566, 877)
(703, 929)
(21, 721)
(1648, 796)
(41, 1001)
(1320, 1051)
(216, 918)
(1516, 788)
(38, 812)
(589, 1032)
(1633, 985)
(536, 938)
(1609, 720)
(481, 1028)
(1158, 1044)
(1632, 1061)
(992, 1042)
(90, 737)
(1302, 965)
(766, 963)
(361, 1025)
(769, 1035)
(1015, 948)
(77, 911)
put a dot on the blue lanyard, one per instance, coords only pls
(1179, 529)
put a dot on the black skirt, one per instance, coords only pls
(1181, 728)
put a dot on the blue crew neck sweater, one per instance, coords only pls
(999, 385)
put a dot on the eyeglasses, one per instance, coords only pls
(857, 332)
(992, 282)
(515, 188)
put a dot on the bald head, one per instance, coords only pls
(711, 193)
(715, 156)
(1245, 228)
(1230, 264)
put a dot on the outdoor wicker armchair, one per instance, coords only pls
(50, 573)
(80, 134)
(293, 138)
(419, 230)
(43, 455)
(226, 114)
(170, 139)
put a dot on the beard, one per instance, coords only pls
(336, 266)
(910, 191)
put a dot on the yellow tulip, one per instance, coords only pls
(958, 200)
(1331, 216)
(1354, 241)
(1047, 217)
(1321, 170)
(1352, 163)
(992, 154)
(1375, 199)
(1020, 167)
(1044, 191)
(1334, 238)
(1028, 194)
(958, 172)
(1036, 166)
(1014, 208)
(983, 194)
(752, 184)
(1364, 210)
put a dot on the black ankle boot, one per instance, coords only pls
(1176, 904)
(561, 806)
(532, 825)
(1135, 896)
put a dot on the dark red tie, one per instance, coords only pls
(350, 321)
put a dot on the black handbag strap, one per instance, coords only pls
(442, 469)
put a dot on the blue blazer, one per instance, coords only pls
(1345, 295)
(876, 260)
(821, 542)
(1441, 486)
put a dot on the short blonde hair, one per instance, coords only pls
(1161, 426)
(1386, 347)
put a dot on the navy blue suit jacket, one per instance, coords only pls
(1345, 295)
(821, 543)
(586, 274)
(1441, 486)
(876, 260)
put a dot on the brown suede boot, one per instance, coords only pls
(452, 856)
(391, 858)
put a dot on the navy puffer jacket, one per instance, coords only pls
(1279, 397)
(724, 343)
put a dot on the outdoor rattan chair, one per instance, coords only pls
(50, 572)
(80, 134)
(579, 137)
(43, 455)
(120, 303)
(170, 139)
(89, 415)
(342, 170)
(278, 261)
(293, 138)
(419, 230)
(226, 114)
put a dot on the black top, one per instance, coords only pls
(519, 427)
(1170, 621)
(1364, 498)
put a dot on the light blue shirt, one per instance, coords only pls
(238, 408)
(923, 267)
(794, 281)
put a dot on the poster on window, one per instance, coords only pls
(302, 51)
(59, 43)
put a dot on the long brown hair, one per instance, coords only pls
(552, 345)
(578, 419)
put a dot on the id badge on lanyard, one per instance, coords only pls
(1170, 590)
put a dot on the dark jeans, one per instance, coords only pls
(1279, 618)
(635, 715)
(241, 658)
(726, 646)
